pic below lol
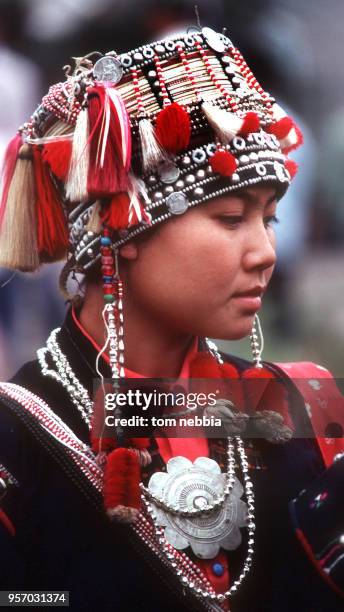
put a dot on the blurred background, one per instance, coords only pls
(295, 48)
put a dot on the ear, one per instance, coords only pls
(129, 251)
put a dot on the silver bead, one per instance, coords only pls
(198, 192)
(158, 195)
(190, 179)
(200, 174)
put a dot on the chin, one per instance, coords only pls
(236, 330)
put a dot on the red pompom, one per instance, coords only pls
(122, 482)
(173, 128)
(251, 124)
(204, 366)
(223, 163)
(52, 231)
(292, 167)
(298, 143)
(256, 381)
(281, 128)
(57, 155)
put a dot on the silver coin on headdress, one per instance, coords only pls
(108, 69)
(177, 203)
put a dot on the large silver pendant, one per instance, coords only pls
(188, 486)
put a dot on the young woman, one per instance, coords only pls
(158, 173)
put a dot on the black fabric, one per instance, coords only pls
(63, 542)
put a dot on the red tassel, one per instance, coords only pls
(58, 155)
(9, 165)
(204, 366)
(281, 128)
(173, 128)
(223, 163)
(251, 124)
(52, 231)
(110, 175)
(122, 485)
(292, 167)
(115, 213)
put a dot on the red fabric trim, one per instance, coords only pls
(6, 521)
(326, 403)
(308, 549)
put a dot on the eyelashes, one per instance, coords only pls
(234, 221)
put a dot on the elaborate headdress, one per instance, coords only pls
(131, 140)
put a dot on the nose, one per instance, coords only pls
(259, 251)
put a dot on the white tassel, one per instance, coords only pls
(76, 185)
(226, 124)
(152, 152)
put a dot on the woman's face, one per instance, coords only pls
(205, 272)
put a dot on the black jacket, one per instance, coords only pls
(64, 540)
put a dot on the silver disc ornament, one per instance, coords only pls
(108, 69)
(188, 486)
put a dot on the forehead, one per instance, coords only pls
(259, 195)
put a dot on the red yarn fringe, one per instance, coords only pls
(52, 231)
(58, 155)
(173, 128)
(9, 164)
(122, 480)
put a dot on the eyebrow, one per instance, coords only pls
(253, 199)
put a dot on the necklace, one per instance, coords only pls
(208, 508)
(65, 376)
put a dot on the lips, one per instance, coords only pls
(256, 291)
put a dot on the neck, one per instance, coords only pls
(151, 349)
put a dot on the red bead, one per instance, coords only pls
(106, 251)
(107, 260)
(108, 270)
(108, 289)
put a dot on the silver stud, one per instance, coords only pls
(180, 184)
(152, 180)
(235, 178)
(198, 192)
(159, 49)
(244, 159)
(138, 57)
(169, 189)
(200, 174)
(253, 157)
(186, 161)
(190, 179)
(152, 74)
(158, 195)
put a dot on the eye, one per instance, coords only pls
(270, 220)
(232, 220)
